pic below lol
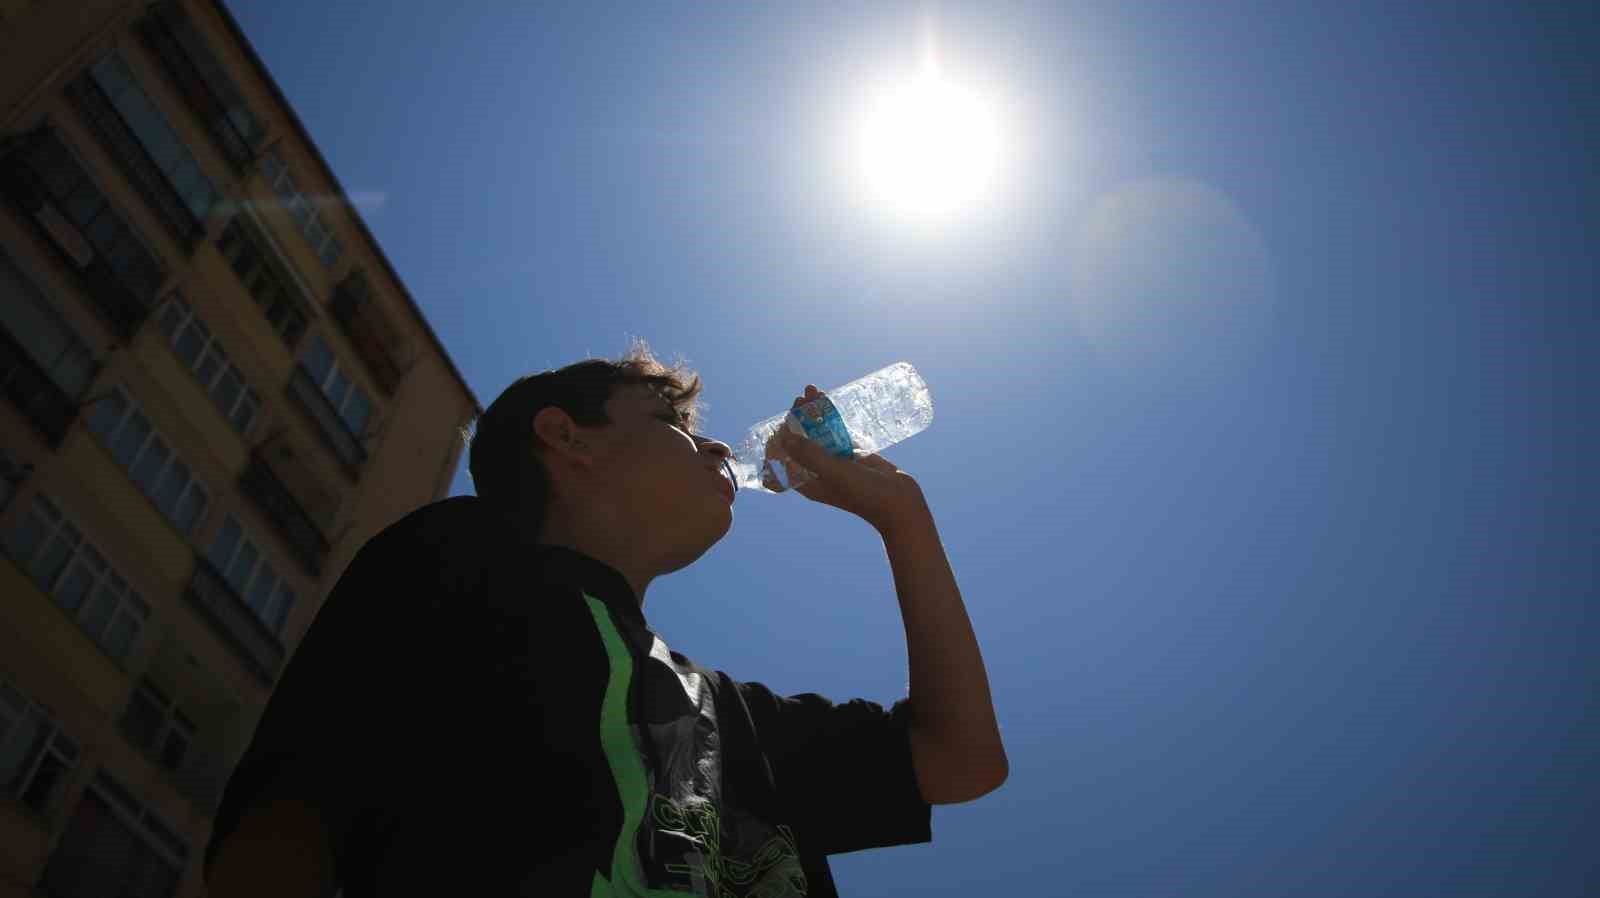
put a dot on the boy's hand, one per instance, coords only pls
(868, 486)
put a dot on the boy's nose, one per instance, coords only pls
(716, 447)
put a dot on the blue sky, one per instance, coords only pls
(1262, 434)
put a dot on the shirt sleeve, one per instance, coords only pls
(328, 735)
(843, 771)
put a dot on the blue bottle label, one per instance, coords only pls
(821, 423)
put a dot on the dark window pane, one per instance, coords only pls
(107, 415)
(222, 548)
(206, 371)
(112, 75)
(49, 564)
(227, 389)
(245, 121)
(42, 790)
(122, 251)
(98, 612)
(24, 541)
(74, 370)
(330, 252)
(172, 315)
(119, 639)
(172, 753)
(294, 328)
(338, 388)
(244, 414)
(104, 233)
(153, 132)
(194, 188)
(80, 578)
(82, 204)
(146, 473)
(131, 438)
(172, 486)
(61, 176)
(318, 360)
(356, 412)
(27, 734)
(191, 507)
(244, 564)
(144, 719)
(280, 609)
(261, 589)
(189, 344)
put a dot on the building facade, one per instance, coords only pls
(216, 388)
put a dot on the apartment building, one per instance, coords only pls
(216, 388)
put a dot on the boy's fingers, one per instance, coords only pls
(810, 454)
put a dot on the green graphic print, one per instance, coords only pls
(678, 837)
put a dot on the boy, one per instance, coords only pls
(481, 708)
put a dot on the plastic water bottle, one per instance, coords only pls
(864, 416)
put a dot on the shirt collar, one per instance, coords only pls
(561, 566)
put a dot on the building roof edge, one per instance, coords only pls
(355, 215)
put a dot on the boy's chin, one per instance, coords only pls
(692, 552)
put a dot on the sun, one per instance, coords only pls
(928, 147)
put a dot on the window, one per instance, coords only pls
(67, 567)
(352, 402)
(154, 724)
(301, 208)
(268, 288)
(85, 207)
(152, 465)
(177, 42)
(198, 349)
(236, 557)
(41, 331)
(114, 845)
(174, 161)
(35, 756)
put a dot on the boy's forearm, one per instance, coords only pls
(955, 736)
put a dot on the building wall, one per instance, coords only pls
(200, 646)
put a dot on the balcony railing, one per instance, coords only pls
(32, 391)
(203, 83)
(127, 149)
(120, 277)
(335, 433)
(262, 485)
(236, 621)
(373, 335)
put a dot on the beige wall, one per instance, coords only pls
(414, 444)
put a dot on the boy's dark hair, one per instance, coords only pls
(504, 458)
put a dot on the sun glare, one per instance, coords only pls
(928, 147)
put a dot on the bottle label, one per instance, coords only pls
(819, 422)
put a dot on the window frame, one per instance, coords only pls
(114, 432)
(189, 320)
(282, 596)
(302, 208)
(284, 311)
(81, 555)
(157, 125)
(336, 370)
(151, 834)
(75, 348)
(50, 743)
(172, 722)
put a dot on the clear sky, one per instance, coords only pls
(1262, 444)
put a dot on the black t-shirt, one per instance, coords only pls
(473, 713)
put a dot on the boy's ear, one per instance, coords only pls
(559, 434)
